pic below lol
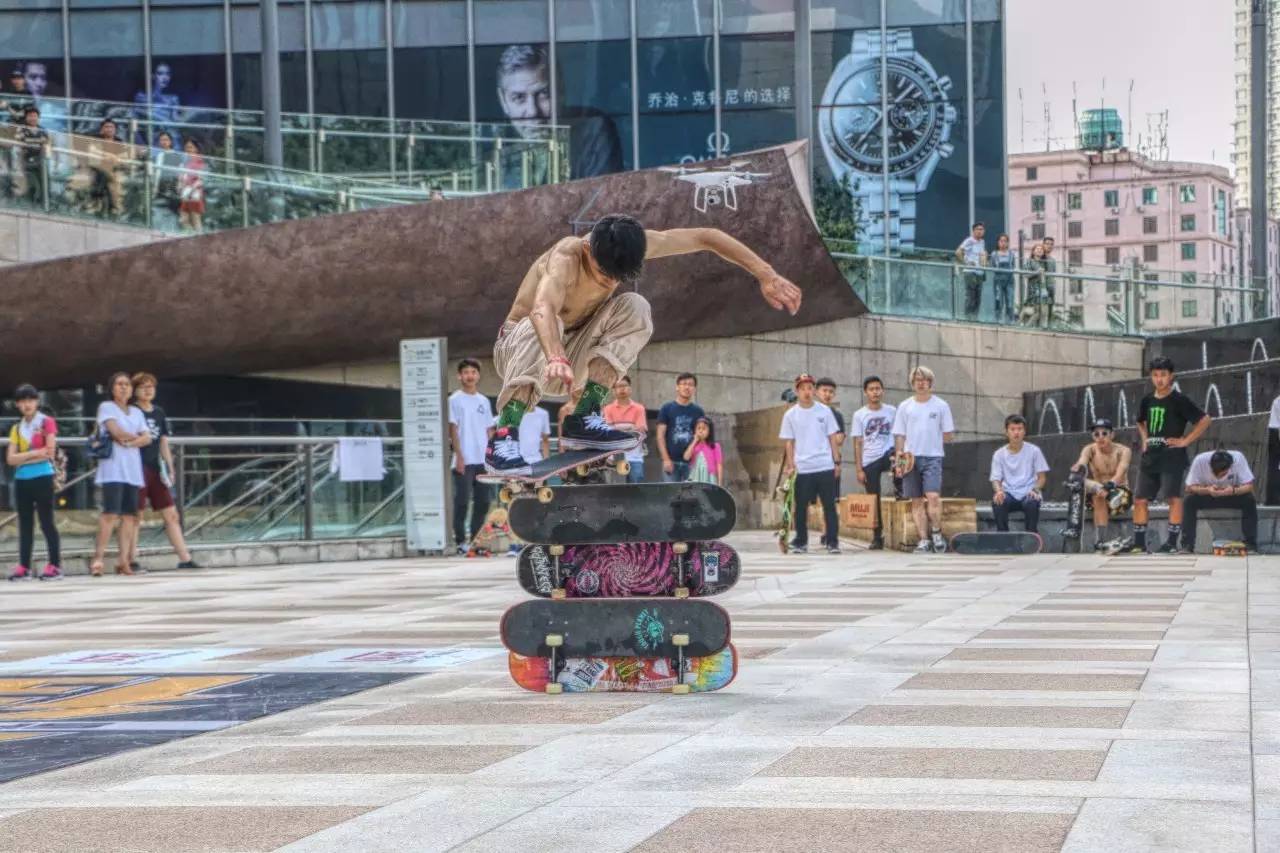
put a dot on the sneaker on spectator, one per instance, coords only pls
(924, 546)
(833, 549)
(939, 544)
(799, 549)
(50, 573)
(19, 572)
(188, 564)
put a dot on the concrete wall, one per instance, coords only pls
(26, 236)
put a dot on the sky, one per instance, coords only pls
(1179, 56)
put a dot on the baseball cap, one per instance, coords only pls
(1101, 423)
(26, 392)
(803, 378)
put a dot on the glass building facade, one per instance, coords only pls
(903, 99)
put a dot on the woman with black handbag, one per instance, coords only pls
(119, 474)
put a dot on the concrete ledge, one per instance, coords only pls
(1210, 525)
(233, 554)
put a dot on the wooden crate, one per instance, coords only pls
(959, 515)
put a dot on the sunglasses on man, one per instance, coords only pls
(1101, 433)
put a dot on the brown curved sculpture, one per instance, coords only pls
(348, 288)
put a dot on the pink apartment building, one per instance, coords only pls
(1166, 222)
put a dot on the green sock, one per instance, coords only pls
(511, 414)
(593, 397)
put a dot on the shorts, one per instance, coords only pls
(923, 478)
(1160, 482)
(119, 498)
(155, 492)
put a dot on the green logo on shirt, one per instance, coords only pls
(1155, 418)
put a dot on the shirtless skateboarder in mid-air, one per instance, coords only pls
(570, 332)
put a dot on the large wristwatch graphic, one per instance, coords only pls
(911, 126)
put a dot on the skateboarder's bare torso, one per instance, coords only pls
(1111, 464)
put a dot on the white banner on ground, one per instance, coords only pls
(426, 442)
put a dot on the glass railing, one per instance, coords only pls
(1121, 302)
(241, 490)
(452, 156)
(165, 190)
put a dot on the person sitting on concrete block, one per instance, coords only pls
(1220, 479)
(1018, 473)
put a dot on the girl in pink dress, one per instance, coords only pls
(706, 462)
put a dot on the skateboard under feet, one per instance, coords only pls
(573, 466)
(679, 569)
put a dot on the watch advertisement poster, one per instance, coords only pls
(918, 125)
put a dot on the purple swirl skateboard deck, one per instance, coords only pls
(616, 571)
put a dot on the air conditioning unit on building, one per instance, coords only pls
(1078, 297)
(1115, 297)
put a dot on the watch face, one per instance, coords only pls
(915, 123)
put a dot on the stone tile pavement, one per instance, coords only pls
(884, 702)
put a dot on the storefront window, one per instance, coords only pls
(430, 38)
(593, 59)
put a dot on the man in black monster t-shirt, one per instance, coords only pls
(1162, 419)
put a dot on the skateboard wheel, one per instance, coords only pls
(554, 689)
(680, 548)
(679, 639)
(583, 470)
(555, 550)
(623, 467)
(545, 494)
(557, 594)
(505, 494)
(555, 641)
(682, 592)
(680, 689)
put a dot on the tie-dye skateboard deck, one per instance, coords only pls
(619, 571)
(641, 512)
(615, 627)
(624, 674)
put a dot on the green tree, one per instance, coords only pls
(839, 216)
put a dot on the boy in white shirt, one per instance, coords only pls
(922, 425)
(1018, 472)
(470, 426)
(873, 447)
(1220, 479)
(1273, 453)
(809, 431)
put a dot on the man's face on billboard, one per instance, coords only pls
(37, 78)
(525, 95)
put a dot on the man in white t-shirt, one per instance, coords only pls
(470, 426)
(1273, 454)
(535, 435)
(809, 432)
(922, 425)
(873, 448)
(1018, 472)
(1220, 479)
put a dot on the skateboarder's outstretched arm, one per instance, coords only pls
(777, 291)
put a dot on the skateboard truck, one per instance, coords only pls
(556, 551)
(554, 642)
(679, 641)
(681, 550)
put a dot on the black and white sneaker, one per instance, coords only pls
(502, 456)
(592, 432)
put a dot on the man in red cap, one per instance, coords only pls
(810, 433)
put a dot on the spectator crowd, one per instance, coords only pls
(1024, 293)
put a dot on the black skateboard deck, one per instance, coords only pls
(615, 627)
(995, 542)
(572, 465)
(1073, 532)
(642, 568)
(641, 512)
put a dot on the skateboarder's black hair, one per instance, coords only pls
(1014, 419)
(1220, 461)
(683, 376)
(1161, 362)
(468, 362)
(871, 379)
(618, 245)
(825, 382)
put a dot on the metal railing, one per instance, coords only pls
(244, 490)
(1123, 302)
(456, 156)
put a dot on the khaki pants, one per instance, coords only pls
(616, 332)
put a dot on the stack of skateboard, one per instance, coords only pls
(619, 572)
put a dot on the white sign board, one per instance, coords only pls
(424, 407)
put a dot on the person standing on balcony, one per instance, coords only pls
(191, 188)
(35, 144)
(1162, 418)
(1004, 260)
(921, 428)
(1037, 305)
(157, 472)
(1050, 282)
(470, 428)
(33, 447)
(166, 163)
(15, 98)
(120, 474)
(972, 253)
